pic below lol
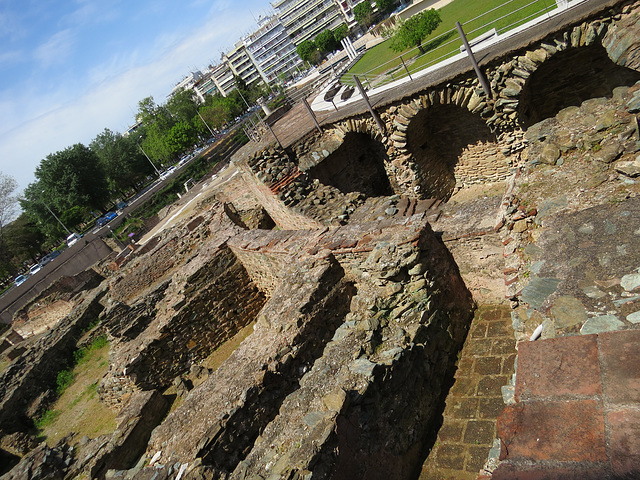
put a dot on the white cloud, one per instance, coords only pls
(110, 93)
(56, 49)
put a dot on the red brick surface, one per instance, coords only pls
(620, 354)
(561, 431)
(577, 414)
(624, 441)
(558, 367)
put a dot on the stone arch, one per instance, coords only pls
(357, 165)
(568, 78)
(450, 146)
(586, 61)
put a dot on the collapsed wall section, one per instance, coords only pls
(358, 313)
(212, 304)
(221, 418)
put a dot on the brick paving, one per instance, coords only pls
(475, 400)
(577, 410)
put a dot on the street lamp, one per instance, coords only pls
(54, 215)
(145, 154)
(206, 124)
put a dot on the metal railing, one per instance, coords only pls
(448, 44)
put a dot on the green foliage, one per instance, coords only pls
(23, 239)
(308, 52)
(46, 419)
(183, 105)
(81, 354)
(63, 380)
(155, 144)
(66, 179)
(326, 41)
(415, 29)
(363, 13)
(385, 6)
(123, 161)
(341, 32)
(181, 137)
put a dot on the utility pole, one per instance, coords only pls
(152, 164)
(54, 216)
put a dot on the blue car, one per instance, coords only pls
(102, 221)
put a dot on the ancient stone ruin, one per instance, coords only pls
(356, 264)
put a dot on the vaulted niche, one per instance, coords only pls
(437, 138)
(356, 166)
(569, 78)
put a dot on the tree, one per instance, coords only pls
(183, 105)
(73, 177)
(155, 143)
(23, 241)
(8, 202)
(385, 6)
(414, 30)
(341, 32)
(308, 51)
(123, 162)
(326, 41)
(181, 137)
(66, 179)
(363, 13)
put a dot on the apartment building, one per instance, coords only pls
(272, 51)
(305, 19)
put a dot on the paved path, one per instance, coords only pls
(475, 400)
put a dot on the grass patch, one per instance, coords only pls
(445, 42)
(78, 408)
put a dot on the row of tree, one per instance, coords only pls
(78, 184)
(407, 34)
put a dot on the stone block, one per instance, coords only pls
(558, 368)
(557, 431)
(620, 354)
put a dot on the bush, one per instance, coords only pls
(64, 379)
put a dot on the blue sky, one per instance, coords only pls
(70, 68)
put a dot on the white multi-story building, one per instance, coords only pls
(222, 76)
(187, 83)
(241, 64)
(305, 19)
(272, 51)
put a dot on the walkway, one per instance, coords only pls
(475, 400)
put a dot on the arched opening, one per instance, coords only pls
(569, 78)
(356, 166)
(437, 138)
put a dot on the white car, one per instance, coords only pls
(167, 173)
(35, 269)
(73, 238)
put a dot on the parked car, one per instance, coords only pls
(121, 206)
(102, 221)
(33, 269)
(168, 172)
(19, 280)
(49, 257)
(73, 238)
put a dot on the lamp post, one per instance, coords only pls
(152, 164)
(54, 215)
(206, 124)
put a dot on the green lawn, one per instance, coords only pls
(445, 41)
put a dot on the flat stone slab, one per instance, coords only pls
(577, 410)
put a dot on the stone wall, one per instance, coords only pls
(29, 382)
(356, 312)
